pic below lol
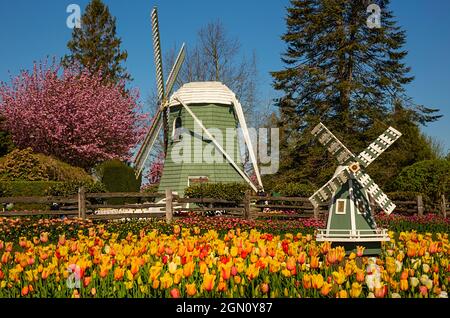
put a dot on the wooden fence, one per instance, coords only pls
(86, 206)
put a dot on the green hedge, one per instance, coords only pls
(27, 189)
(44, 188)
(118, 177)
(223, 191)
(430, 177)
(294, 190)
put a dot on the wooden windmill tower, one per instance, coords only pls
(350, 221)
(190, 116)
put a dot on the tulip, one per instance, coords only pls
(356, 290)
(339, 277)
(172, 268)
(360, 251)
(380, 291)
(176, 229)
(25, 291)
(414, 281)
(423, 291)
(332, 256)
(93, 291)
(44, 237)
(306, 281)
(317, 281)
(118, 273)
(342, 294)
(191, 290)
(314, 262)
(326, 288)
(404, 284)
(264, 288)
(175, 293)
(208, 282)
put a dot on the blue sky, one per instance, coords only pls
(32, 30)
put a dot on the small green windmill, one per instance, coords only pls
(194, 117)
(350, 221)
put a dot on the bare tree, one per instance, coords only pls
(217, 57)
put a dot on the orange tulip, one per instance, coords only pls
(404, 284)
(208, 282)
(191, 290)
(326, 288)
(118, 273)
(306, 280)
(264, 288)
(301, 259)
(331, 256)
(25, 291)
(381, 291)
(44, 237)
(86, 281)
(360, 276)
(314, 262)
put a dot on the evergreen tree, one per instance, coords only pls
(96, 46)
(343, 73)
(6, 143)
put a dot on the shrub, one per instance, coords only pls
(430, 177)
(294, 189)
(72, 187)
(222, 191)
(24, 165)
(118, 177)
(27, 189)
(150, 188)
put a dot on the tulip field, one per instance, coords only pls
(191, 258)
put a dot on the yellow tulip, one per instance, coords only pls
(356, 290)
(317, 281)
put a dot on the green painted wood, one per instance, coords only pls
(175, 174)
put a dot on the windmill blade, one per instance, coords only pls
(148, 143)
(376, 148)
(157, 55)
(326, 192)
(374, 190)
(175, 70)
(334, 146)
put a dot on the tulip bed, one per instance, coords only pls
(71, 258)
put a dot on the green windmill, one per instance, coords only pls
(350, 221)
(199, 123)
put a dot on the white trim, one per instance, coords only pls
(377, 235)
(337, 206)
(230, 160)
(241, 118)
(352, 206)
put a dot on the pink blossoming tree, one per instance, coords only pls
(70, 115)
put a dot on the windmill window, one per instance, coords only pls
(340, 206)
(176, 129)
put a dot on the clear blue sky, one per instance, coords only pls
(31, 30)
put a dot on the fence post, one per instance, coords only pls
(169, 206)
(82, 203)
(443, 206)
(247, 205)
(419, 205)
(316, 212)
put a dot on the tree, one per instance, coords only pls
(6, 143)
(95, 45)
(341, 72)
(217, 57)
(76, 117)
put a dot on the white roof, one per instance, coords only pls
(204, 92)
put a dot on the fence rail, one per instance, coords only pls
(87, 206)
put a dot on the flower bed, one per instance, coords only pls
(99, 260)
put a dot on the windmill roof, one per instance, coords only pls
(203, 92)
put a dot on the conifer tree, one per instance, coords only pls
(96, 46)
(342, 73)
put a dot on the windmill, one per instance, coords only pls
(189, 116)
(350, 221)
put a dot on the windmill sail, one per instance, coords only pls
(376, 148)
(374, 190)
(148, 143)
(334, 146)
(325, 193)
(157, 55)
